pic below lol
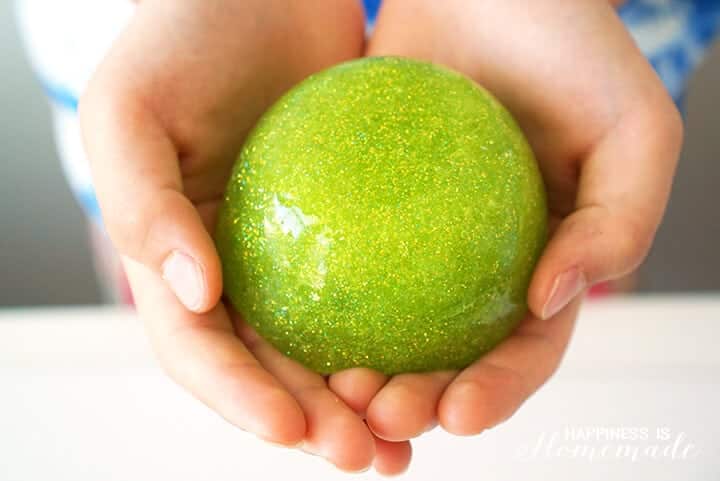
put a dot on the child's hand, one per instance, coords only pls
(607, 138)
(163, 120)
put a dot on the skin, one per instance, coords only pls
(607, 138)
(162, 131)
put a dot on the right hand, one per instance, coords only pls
(163, 119)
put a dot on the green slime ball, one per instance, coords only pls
(385, 213)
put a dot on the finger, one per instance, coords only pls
(334, 431)
(392, 458)
(494, 387)
(356, 387)
(624, 186)
(407, 405)
(137, 179)
(202, 353)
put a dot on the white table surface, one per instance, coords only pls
(82, 399)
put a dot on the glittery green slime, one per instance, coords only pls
(384, 213)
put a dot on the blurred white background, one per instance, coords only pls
(45, 259)
(83, 398)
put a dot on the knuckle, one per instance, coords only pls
(664, 121)
(623, 239)
(633, 241)
(127, 231)
(135, 229)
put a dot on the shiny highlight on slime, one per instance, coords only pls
(384, 213)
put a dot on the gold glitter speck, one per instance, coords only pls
(385, 213)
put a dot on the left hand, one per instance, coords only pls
(163, 119)
(606, 136)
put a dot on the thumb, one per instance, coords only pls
(139, 187)
(624, 186)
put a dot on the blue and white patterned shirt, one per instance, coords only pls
(673, 34)
(65, 48)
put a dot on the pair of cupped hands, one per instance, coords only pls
(170, 106)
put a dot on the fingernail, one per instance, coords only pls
(566, 286)
(185, 278)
